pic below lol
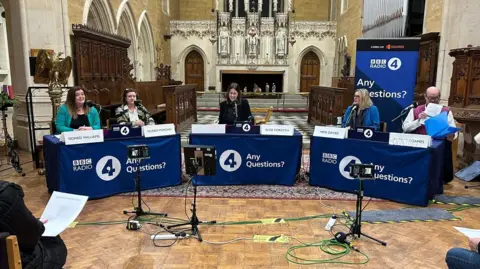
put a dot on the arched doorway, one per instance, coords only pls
(309, 71)
(194, 70)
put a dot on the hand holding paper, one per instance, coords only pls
(438, 127)
(61, 210)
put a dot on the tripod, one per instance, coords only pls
(355, 229)
(12, 155)
(194, 219)
(138, 211)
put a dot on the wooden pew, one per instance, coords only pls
(328, 103)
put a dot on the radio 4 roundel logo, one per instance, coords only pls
(344, 165)
(108, 168)
(230, 160)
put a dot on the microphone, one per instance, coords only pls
(93, 104)
(413, 105)
(236, 111)
(90, 103)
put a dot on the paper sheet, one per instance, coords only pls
(470, 233)
(62, 209)
(433, 110)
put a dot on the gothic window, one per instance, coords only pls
(333, 10)
(166, 6)
(343, 6)
(267, 7)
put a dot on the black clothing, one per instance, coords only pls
(81, 120)
(229, 113)
(37, 252)
(357, 120)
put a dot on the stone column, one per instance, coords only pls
(459, 29)
(41, 24)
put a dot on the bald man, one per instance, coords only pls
(412, 123)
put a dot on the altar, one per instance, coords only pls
(250, 48)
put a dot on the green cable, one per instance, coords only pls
(327, 246)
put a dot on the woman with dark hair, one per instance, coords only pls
(75, 114)
(132, 111)
(16, 219)
(234, 108)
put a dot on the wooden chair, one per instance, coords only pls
(9, 252)
(262, 120)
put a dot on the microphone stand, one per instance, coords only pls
(194, 219)
(351, 114)
(138, 211)
(356, 227)
(403, 113)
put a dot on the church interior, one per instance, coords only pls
(296, 64)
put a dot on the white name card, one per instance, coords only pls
(285, 130)
(82, 137)
(410, 140)
(158, 130)
(208, 128)
(330, 132)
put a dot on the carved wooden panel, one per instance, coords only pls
(427, 64)
(327, 103)
(464, 97)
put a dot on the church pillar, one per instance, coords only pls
(41, 24)
(459, 29)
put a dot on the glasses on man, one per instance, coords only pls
(433, 99)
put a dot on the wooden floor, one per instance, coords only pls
(410, 245)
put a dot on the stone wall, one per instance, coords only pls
(312, 10)
(349, 24)
(433, 16)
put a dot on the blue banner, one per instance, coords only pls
(387, 68)
(103, 169)
(402, 174)
(252, 158)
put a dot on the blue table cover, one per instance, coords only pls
(252, 158)
(99, 170)
(403, 174)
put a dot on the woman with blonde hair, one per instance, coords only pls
(364, 113)
(75, 114)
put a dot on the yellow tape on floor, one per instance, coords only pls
(272, 221)
(271, 238)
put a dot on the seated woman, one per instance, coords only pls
(16, 219)
(131, 111)
(365, 114)
(75, 114)
(234, 108)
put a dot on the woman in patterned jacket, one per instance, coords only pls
(132, 111)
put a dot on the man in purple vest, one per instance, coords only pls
(414, 124)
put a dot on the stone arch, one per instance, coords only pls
(340, 49)
(183, 57)
(323, 64)
(126, 28)
(98, 14)
(145, 49)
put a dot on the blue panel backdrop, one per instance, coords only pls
(103, 169)
(252, 158)
(402, 174)
(387, 68)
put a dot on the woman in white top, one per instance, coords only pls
(132, 111)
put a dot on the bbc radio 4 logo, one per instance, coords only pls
(393, 63)
(82, 164)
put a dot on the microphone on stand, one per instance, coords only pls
(413, 105)
(352, 112)
(406, 110)
(90, 103)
